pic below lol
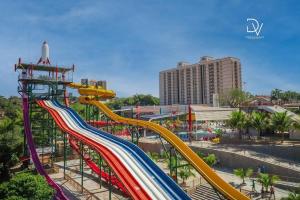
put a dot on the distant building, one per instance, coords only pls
(199, 83)
(260, 100)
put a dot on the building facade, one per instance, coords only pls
(199, 83)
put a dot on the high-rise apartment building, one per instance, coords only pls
(199, 83)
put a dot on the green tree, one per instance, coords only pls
(200, 154)
(211, 159)
(267, 180)
(138, 99)
(281, 123)
(79, 108)
(11, 144)
(235, 98)
(243, 173)
(185, 172)
(276, 94)
(238, 120)
(259, 121)
(26, 186)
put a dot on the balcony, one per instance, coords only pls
(44, 78)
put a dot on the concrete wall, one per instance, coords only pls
(285, 151)
(232, 161)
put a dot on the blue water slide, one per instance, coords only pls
(162, 179)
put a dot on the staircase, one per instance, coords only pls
(204, 193)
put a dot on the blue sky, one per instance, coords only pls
(128, 42)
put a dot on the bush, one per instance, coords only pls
(26, 186)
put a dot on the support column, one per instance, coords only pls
(65, 152)
(100, 167)
(81, 165)
(106, 123)
(110, 186)
(176, 166)
(52, 141)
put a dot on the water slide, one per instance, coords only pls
(93, 90)
(162, 181)
(33, 153)
(142, 178)
(210, 176)
(94, 167)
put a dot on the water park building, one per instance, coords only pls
(199, 83)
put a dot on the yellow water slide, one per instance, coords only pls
(93, 90)
(210, 176)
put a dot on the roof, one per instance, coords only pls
(206, 113)
(197, 108)
(161, 116)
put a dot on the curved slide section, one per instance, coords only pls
(207, 173)
(162, 180)
(129, 181)
(144, 182)
(34, 155)
(93, 90)
(114, 180)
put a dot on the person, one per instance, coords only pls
(272, 192)
(253, 185)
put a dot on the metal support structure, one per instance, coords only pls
(164, 146)
(173, 168)
(110, 186)
(65, 154)
(100, 167)
(81, 165)
(106, 123)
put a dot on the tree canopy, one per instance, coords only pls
(11, 140)
(26, 186)
(138, 99)
(235, 98)
(285, 96)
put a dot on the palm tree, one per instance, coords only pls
(186, 172)
(281, 122)
(276, 94)
(243, 173)
(259, 121)
(266, 180)
(238, 120)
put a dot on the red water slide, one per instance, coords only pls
(133, 187)
(114, 180)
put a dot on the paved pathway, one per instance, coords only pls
(90, 182)
(231, 178)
